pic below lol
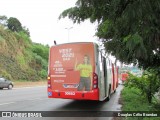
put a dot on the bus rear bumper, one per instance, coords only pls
(78, 95)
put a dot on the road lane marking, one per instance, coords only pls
(37, 99)
(7, 103)
(23, 101)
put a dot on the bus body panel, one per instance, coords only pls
(64, 79)
(109, 76)
(92, 95)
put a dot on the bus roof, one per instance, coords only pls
(76, 43)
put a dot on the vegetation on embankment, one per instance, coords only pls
(20, 58)
(132, 100)
(139, 94)
(20, 84)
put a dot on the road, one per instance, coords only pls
(35, 99)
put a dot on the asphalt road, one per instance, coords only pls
(35, 99)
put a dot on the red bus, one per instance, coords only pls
(80, 71)
(124, 76)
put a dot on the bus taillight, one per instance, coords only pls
(49, 82)
(95, 81)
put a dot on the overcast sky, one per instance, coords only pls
(41, 17)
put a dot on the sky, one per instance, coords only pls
(41, 18)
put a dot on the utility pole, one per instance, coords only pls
(68, 29)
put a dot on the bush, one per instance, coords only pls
(39, 60)
(41, 50)
(148, 83)
(25, 37)
(43, 73)
(131, 100)
(3, 73)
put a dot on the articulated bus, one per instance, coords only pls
(80, 71)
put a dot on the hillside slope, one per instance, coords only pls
(20, 58)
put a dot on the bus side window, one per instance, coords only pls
(99, 61)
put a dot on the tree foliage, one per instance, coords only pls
(129, 29)
(41, 50)
(3, 20)
(20, 58)
(14, 24)
(148, 83)
(26, 31)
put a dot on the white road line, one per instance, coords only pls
(23, 100)
(7, 103)
(37, 99)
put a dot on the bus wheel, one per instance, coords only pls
(109, 95)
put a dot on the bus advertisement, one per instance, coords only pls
(80, 71)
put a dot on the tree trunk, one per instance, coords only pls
(149, 96)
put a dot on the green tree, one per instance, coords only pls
(14, 24)
(26, 30)
(41, 50)
(129, 29)
(148, 83)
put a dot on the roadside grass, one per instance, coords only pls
(132, 100)
(22, 83)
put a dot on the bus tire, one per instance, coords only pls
(109, 94)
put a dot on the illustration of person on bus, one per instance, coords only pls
(85, 69)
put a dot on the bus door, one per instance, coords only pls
(105, 75)
(101, 78)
